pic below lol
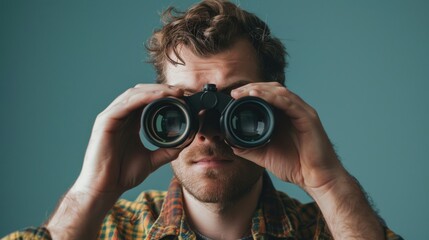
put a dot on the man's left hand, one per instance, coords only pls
(299, 151)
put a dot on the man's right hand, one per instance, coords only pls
(115, 161)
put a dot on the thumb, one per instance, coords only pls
(253, 155)
(163, 156)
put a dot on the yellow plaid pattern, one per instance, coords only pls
(160, 215)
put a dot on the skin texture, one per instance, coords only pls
(221, 184)
(222, 176)
(217, 183)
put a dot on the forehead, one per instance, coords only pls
(236, 65)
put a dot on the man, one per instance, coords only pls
(219, 192)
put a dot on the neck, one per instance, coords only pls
(230, 220)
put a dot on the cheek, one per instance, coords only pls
(175, 164)
(179, 164)
(188, 154)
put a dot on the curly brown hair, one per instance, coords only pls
(211, 27)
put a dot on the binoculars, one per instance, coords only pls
(169, 122)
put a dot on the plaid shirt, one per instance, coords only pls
(160, 215)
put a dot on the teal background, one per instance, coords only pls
(362, 64)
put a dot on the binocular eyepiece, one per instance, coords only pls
(247, 122)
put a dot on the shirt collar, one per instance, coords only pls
(273, 217)
(270, 218)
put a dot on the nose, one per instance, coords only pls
(209, 129)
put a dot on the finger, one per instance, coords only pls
(303, 116)
(145, 85)
(136, 98)
(254, 89)
(276, 95)
(274, 88)
(245, 88)
(145, 89)
(163, 156)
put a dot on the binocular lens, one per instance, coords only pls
(169, 123)
(166, 123)
(249, 123)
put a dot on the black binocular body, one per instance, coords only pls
(169, 122)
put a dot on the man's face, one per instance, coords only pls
(207, 168)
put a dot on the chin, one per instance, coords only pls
(218, 185)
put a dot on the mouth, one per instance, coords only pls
(212, 162)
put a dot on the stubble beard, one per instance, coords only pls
(216, 185)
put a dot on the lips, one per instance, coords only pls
(212, 161)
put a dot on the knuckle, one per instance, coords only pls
(277, 84)
(130, 91)
(258, 87)
(256, 92)
(313, 114)
(161, 92)
(100, 117)
(287, 101)
(281, 91)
